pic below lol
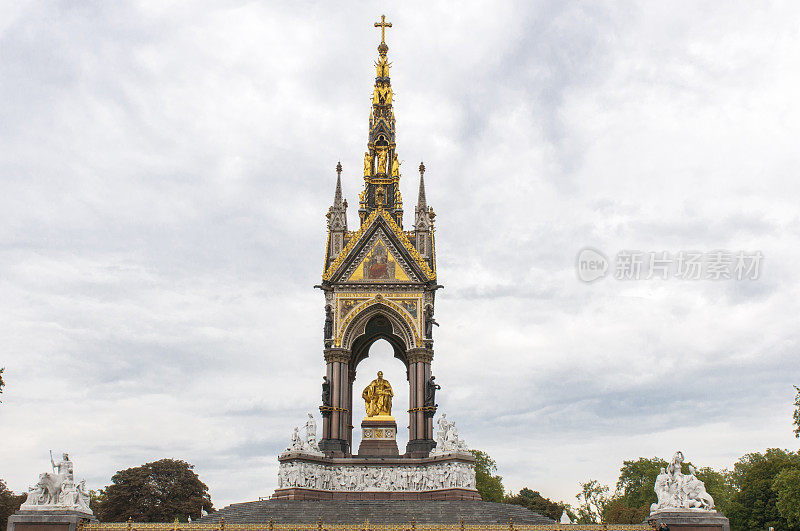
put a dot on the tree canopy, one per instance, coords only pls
(487, 482)
(537, 503)
(9, 503)
(787, 487)
(767, 491)
(592, 500)
(160, 491)
(636, 480)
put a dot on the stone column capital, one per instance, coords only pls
(337, 354)
(424, 355)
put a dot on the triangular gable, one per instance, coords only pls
(378, 252)
(379, 226)
(379, 265)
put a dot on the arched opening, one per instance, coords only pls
(374, 320)
(380, 355)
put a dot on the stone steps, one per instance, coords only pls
(377, 512)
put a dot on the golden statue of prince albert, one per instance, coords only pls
(378, 397)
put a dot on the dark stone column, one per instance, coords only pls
(351, 378)
(420, 441)
(412, 401)
(334, 439)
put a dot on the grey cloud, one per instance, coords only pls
(166, 172)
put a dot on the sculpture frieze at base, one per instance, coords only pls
(307, 477)
(306, 473)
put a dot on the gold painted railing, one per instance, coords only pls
(365, 526)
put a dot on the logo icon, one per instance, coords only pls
(591, 265)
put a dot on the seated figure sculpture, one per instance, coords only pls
(678, 491)
(447, 439)
(57, 490)
(378, 397)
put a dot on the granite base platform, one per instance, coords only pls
(376, 512)
(691, 520)
(47, 520)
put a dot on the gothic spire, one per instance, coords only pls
(421, 212)
(381, 163)
(337, 196)
(337, 214)
(421, 197)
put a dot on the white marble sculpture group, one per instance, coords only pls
(57, 491)
(431, 476)
(308, 444)
(335, 477)
(447, 440)
(678, 491)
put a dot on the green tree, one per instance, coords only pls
(537, 503)
(617, 511)
(636, 481)
(787, 488)
(96, 498)
(719, 485)
(755, 502)
(593, 498)
(160, 491)
(9, 503)
(487, 482)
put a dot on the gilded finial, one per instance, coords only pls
(339, 168)
(421, 168)
(383, 25)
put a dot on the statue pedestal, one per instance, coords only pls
(378, 437)
(57, 520)
(690, 520)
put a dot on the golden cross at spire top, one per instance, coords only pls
(383, 25)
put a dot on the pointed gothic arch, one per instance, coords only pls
(364, 325)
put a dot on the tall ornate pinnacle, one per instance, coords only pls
(337, 214)
(381, 163)
(421, 221)
(337, 198)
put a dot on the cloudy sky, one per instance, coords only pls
(166, 168)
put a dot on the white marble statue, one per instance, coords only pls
(430, 476)
(308, 444)
(56, 490)
(676, 491)
(297, 443)
(447, 440)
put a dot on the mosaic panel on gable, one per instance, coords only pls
(379, 264)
